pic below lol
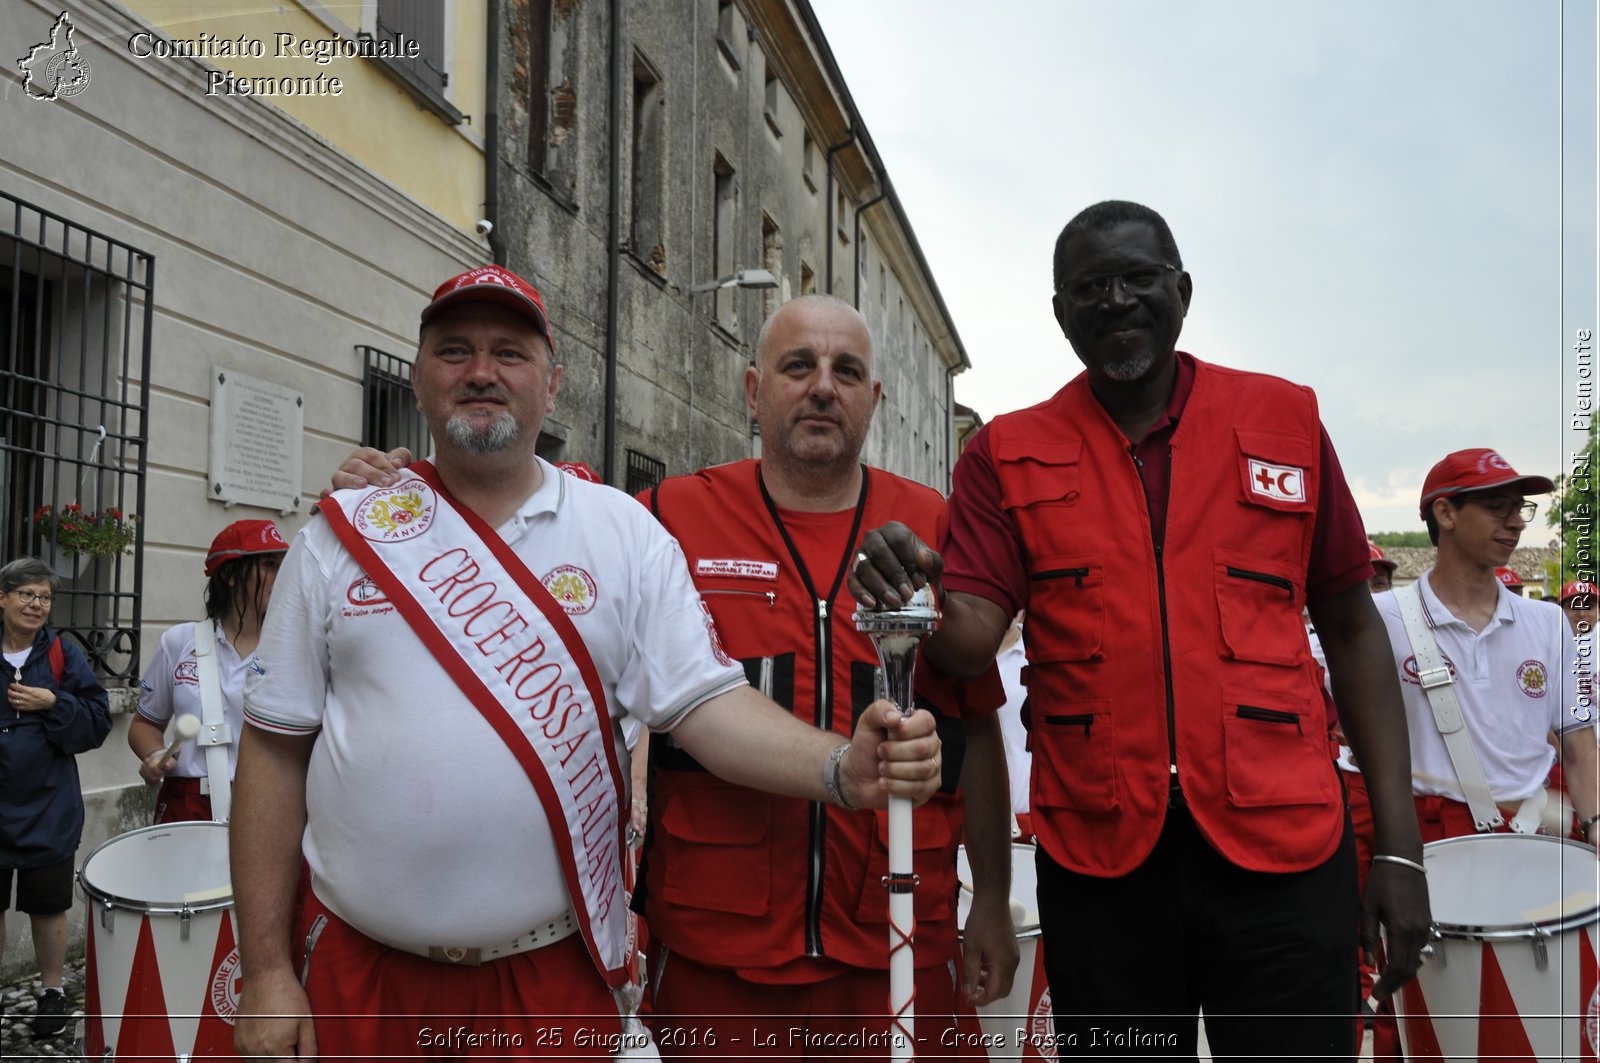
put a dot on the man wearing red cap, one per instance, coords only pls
(436, 725)
(240, 569)
(1511, 661)
(794, 947)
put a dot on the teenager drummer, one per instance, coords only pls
(446, 753)
(240, 569)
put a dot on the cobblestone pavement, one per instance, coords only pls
(16, 1028)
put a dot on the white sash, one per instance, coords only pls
(516, 656)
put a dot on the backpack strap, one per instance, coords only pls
(58, 659)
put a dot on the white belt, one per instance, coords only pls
(563, 926)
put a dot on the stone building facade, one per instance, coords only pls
(724, 136)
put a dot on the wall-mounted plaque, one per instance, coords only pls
(257, 434)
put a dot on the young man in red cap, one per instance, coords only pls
(1511, 663)
(437, 724)
(240, 569)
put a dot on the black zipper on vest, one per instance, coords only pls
(1253, 712)
(1174, 788)
(1084, 720)
(823, 713)
(1077, 574)
(1263, 577)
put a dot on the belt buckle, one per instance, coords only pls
(460, 956)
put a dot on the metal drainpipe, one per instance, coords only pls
(949, 429)
(856, 266)
(613, 247)
(850, 138)
(491, 139)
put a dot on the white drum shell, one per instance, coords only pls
(142, 877)
(1529, 901)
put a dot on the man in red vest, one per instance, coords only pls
(1164, 521)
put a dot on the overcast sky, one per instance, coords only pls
(1367, 194)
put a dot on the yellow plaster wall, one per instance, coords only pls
(374, 119)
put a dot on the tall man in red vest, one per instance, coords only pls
(436, 726)
(1164, 520)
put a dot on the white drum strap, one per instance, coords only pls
(215, 735)
(1436, 680)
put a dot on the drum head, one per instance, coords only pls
(1490, 885)
(1024, 889)
(169, 867)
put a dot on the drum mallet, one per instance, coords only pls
(897, 634)
(186, 729)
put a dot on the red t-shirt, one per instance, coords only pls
(983, 549)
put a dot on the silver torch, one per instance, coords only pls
(897, 634)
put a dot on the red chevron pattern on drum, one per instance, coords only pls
(1422, 1044)
(144, 1030)
(1501, 1037)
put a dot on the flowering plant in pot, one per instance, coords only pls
(78, 532)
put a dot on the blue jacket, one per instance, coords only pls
(41, 802)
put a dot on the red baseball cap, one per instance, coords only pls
(244, 538)
(1478, 469)
(1508, 577)
(1576, 589)
(492, 284)
(1379, 558)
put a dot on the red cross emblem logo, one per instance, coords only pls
(1281, 483)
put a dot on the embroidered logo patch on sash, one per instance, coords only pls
(1281, 483)
(572, 587)
(393, 514)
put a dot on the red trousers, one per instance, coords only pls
(374, 1002)
(711, 1011)
(180, 801)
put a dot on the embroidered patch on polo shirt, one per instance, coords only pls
(742, 568)
(1533, 678)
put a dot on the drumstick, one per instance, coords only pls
(186, 728)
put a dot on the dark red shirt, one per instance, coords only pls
(983, 548)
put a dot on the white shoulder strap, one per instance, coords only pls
(215, 735)
(1436, 680)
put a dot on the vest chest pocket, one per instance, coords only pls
(1075, 757)
(1066, 610)
(1258, 611)
(1039, 486)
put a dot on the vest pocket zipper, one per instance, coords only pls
(770, 596)
(1076, 574)
(1084, 720)
(1262, 577)
(1252, 712)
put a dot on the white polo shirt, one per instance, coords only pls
(422, 828)
(1515, 681)
(171, 687)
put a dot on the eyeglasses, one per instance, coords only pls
(28, 598)
(1500, 507)
(1140, 280)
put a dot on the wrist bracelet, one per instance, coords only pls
(833, 776)
(1402, 861)
(1590, 822)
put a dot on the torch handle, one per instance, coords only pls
(902, 932)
